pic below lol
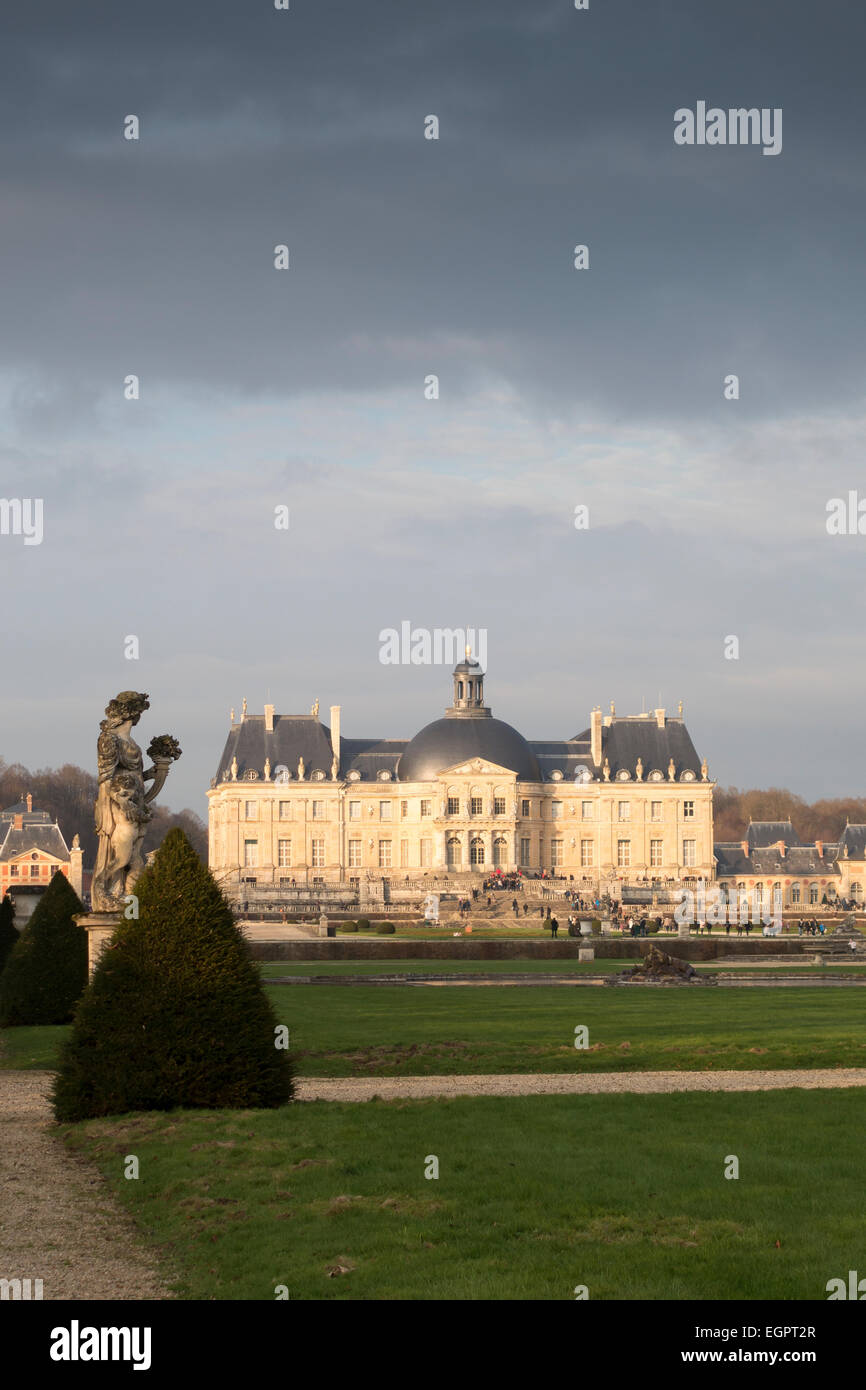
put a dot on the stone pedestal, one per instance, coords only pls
(100, 927)
(586, 953)
(684, 929)
(323, 925)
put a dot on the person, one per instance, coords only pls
(541, 912)
(727, 926)
(554, 926)
(852, 945)
(525, 908)
(515, 909)
(489, 900)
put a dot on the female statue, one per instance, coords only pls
(122, 811)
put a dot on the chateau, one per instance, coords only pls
(294, 802)
(32, 850)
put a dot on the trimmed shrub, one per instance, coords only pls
(175, 1014)
(363, 924)
(385, 929)
(8, 934)
(46, 971)
(596, 925)
(347, 926)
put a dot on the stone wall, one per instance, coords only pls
(696, 948)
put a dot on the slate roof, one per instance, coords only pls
(30, 817)
(854, 838)
(46, 838)
(800, 861)
(304, 736)
(769, 832)
(628, 738)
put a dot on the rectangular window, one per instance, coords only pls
(624, 810)
(250, 810)
(525, 808)
(556, 810)
(656, 854)
(476, 806)
(13, 870)
(318, 810)
(655, 810)
(251, 854)
(285, 810)
(689, 859)
(454, 805)
(384, 810)
(688, 810)
(524, 852)
(499, 805)
(404, 809)
(384, 854)
(354, 810)
(555, 854)
(317, 854)
(586, 810)
(404, 854)
(623, 854)
(284, 854)
(426, 853)
(354, 854)
(426, 808)
(586, 855)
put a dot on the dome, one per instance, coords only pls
(448, 741)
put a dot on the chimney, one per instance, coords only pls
(269, 719)
(29, 802)
(335, 731)
(660, 718)
(19, 821)
(595, 735)
(819, 845)
(781, 846)
(744, 846)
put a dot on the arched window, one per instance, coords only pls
(759, 893)
(476, 850)
(813, 893)
(500, 852)
(454, 852)
(795, 892)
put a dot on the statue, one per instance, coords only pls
(704, 770)
(300, 769)
(232, 714)
(76, 841)
(234, 769)
(639, 770)
(244, 708)
(315, 709)
(606, 770)
(334, 768)
(672, 772)
(122, 811)
(267, 769)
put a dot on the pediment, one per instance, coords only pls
(477, 767)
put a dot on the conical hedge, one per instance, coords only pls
(8, 934)
(175, 1014)
(46, 970)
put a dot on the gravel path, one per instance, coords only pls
(646, 1082)
(58, 1220)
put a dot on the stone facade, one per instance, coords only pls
(772, 866)
(293, 802)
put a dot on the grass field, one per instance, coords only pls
(624, 1194)
(382, 1031)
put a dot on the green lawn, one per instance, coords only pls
(30, 1049)
(402, 1032)
(381, 1031)
(624, 1194)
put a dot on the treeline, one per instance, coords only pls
(812, 820)
(68, 794)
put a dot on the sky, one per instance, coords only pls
(559, 388)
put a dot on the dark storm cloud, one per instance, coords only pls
(306, 127)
